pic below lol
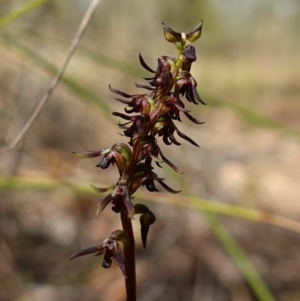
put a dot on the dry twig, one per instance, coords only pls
(75, 42)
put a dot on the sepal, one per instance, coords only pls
(171, 35)
(195, 33)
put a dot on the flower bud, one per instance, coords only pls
(171, 35)
(195, 33)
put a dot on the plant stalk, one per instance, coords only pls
(129, 257)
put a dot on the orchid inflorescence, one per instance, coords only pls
(148, 115)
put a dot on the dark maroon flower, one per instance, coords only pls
(119, 154)
(144, 176)
(150, 150)
(165, 127)
(163, 77)
(111, 249)
(188, 57)
(140, 103)
(174, 106)
(119, 197)
(139, 124)
(186, 85)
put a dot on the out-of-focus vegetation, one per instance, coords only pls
(248, 73)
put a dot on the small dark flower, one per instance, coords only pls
(119, 154)
(140, 103)
(174, 106)
(163, 76)
(165, 127)
(111, 249)
(188, 57)
(120, 198)
(150, 150)
(139, 124)
(186, 85)
(144, 176)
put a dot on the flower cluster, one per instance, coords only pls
(147, 117)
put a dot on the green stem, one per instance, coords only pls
(129, 257)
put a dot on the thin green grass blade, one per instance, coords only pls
(195, 203)
(254, 118)
(77, 88)
(220, 208)
(20, 11)
(250, 274)
(112, 63)
(209, 210)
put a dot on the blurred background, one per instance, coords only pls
(247, 71)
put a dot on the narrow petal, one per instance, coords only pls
(195, 93)
(193, 119)
(144, 87)
(156, 159)
(122, 116)
(186, 138)
(117, 254)
(172, 138)
(90, 154)
(165, 186)
(127, 102)
(144, 64)
(129, 111)
(190, 97)
(119, 92)
(103, 203)
(100, 190)
(197, 97)
(170, 163)
(85, 252)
